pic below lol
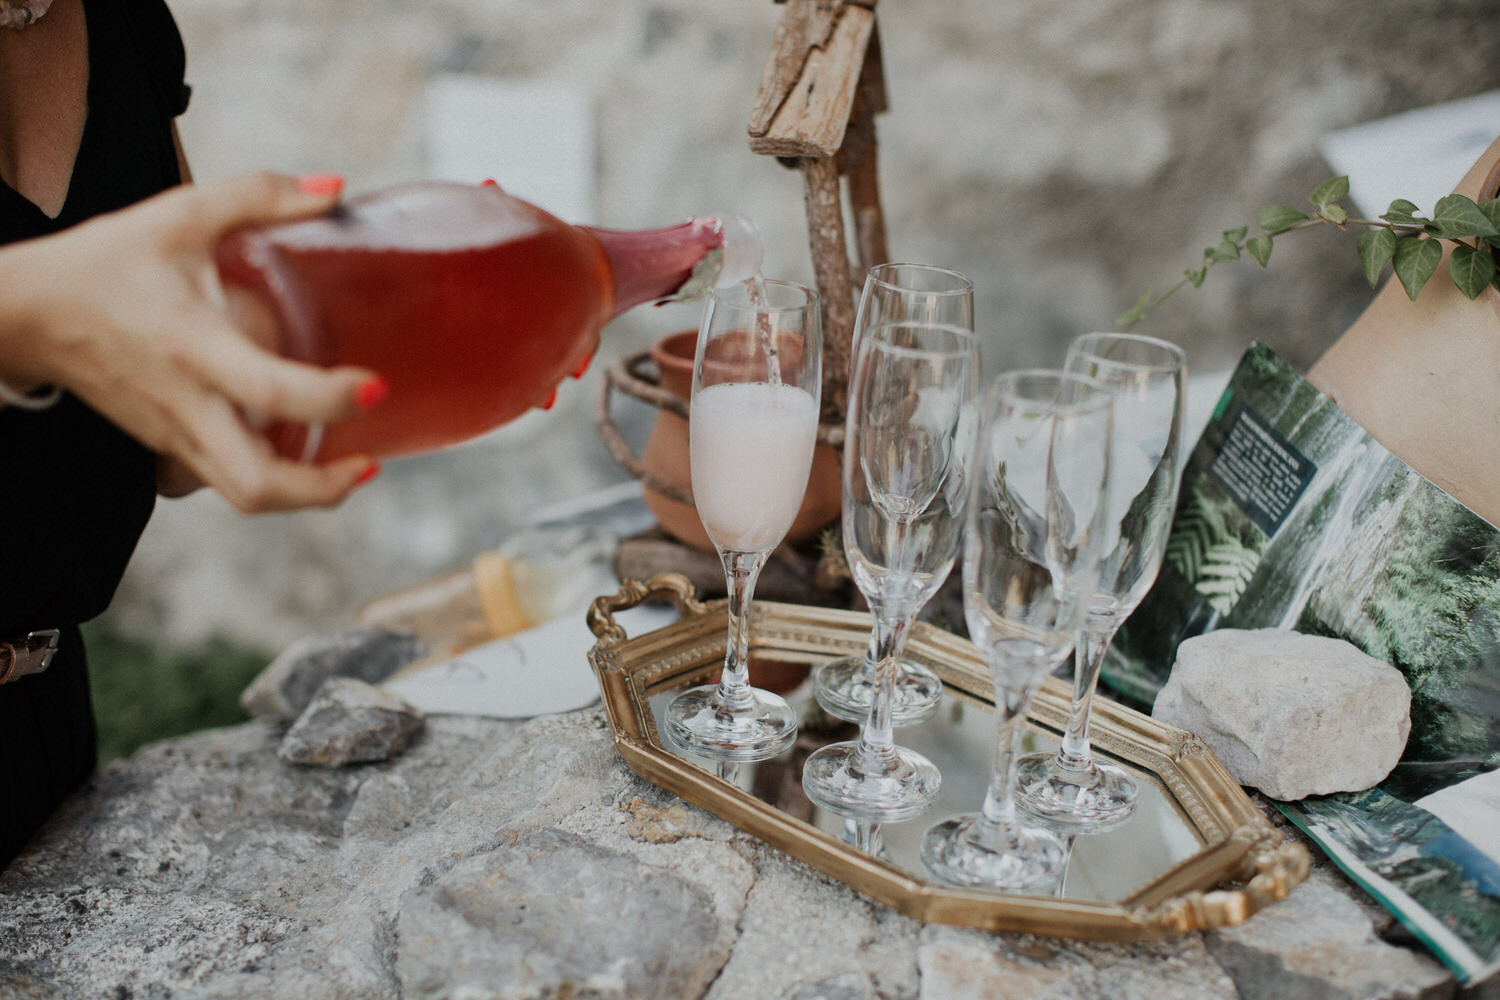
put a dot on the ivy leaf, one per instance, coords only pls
(1456, 215)
(1274, 218)
(1197, 276)
(1330, 191)
(1491, 210)
(1376, 248)
(1335, 214)
(1471, 270)
(1415, 261)
(1236, 235)
(1402, 212)
(1259, 247)
(1224, 252)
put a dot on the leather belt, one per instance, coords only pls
(30, 655)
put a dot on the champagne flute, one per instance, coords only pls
(1036, 523)
(753, 421)
(907, 447)
(914, 293)
(1071, 789)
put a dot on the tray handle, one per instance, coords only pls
(1268, 871)
(674, 586)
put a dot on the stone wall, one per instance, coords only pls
(1067, 156)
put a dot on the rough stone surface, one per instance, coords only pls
(284, 689)
(1292, 715)
(1322, 950)
(350, 722)
(500, 859)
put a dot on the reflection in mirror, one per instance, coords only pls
(960, 740)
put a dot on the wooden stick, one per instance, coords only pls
(830, 257)
(864, 201)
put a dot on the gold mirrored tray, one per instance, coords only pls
(1196, 853)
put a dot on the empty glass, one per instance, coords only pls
(911, 293)
(1071, 789)
(908, 442)
(1036, 526)
(753, 421)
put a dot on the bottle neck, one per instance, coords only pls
(655, 265)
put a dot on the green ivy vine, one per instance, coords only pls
(1410, 244)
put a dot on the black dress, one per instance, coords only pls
(78, 491)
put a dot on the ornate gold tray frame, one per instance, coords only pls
(1237, 846)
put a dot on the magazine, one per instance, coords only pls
(1292, 516)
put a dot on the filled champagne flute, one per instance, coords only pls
(908, 442)
(1036, 523)
(1071, 789)
(905, 292)
(753, 421)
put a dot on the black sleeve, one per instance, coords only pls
(161, 42)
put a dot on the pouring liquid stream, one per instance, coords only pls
(756, 284)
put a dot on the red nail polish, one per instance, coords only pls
(321, 184)
(489, 182)
(583, 365)
(368, 473)
(372, 392)
(551, 400)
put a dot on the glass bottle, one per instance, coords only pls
(473, 304)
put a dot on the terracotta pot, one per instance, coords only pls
(666, 457)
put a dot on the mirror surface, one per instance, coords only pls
(960, 739)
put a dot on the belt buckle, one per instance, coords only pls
(31, 655)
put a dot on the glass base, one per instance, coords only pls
(845, 689)
(904, 789)
(696, 722)
(1092, 799)
(1031, 860)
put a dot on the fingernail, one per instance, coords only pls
(583, 365)
(321, 184)
(372, 392)
(551, 400)
(370, 472)
(489, 182)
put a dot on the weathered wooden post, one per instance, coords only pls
(822, 87)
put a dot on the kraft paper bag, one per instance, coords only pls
(1423, 377)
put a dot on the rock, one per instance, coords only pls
(1318, 944)
(571, 916)
(961, 964)
(350, 722)
(203, 868)
(1292, 715)
(284, 688)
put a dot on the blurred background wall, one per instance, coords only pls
(1065, 155)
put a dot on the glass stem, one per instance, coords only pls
(1062, 879)
(1088, 658)
(864, 834)
(876, 753)
(741, 569)
(997, 817)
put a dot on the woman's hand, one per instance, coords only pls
(128, 313)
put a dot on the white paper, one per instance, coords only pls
(1471, 809)
(541, 671)
(1418, 155)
